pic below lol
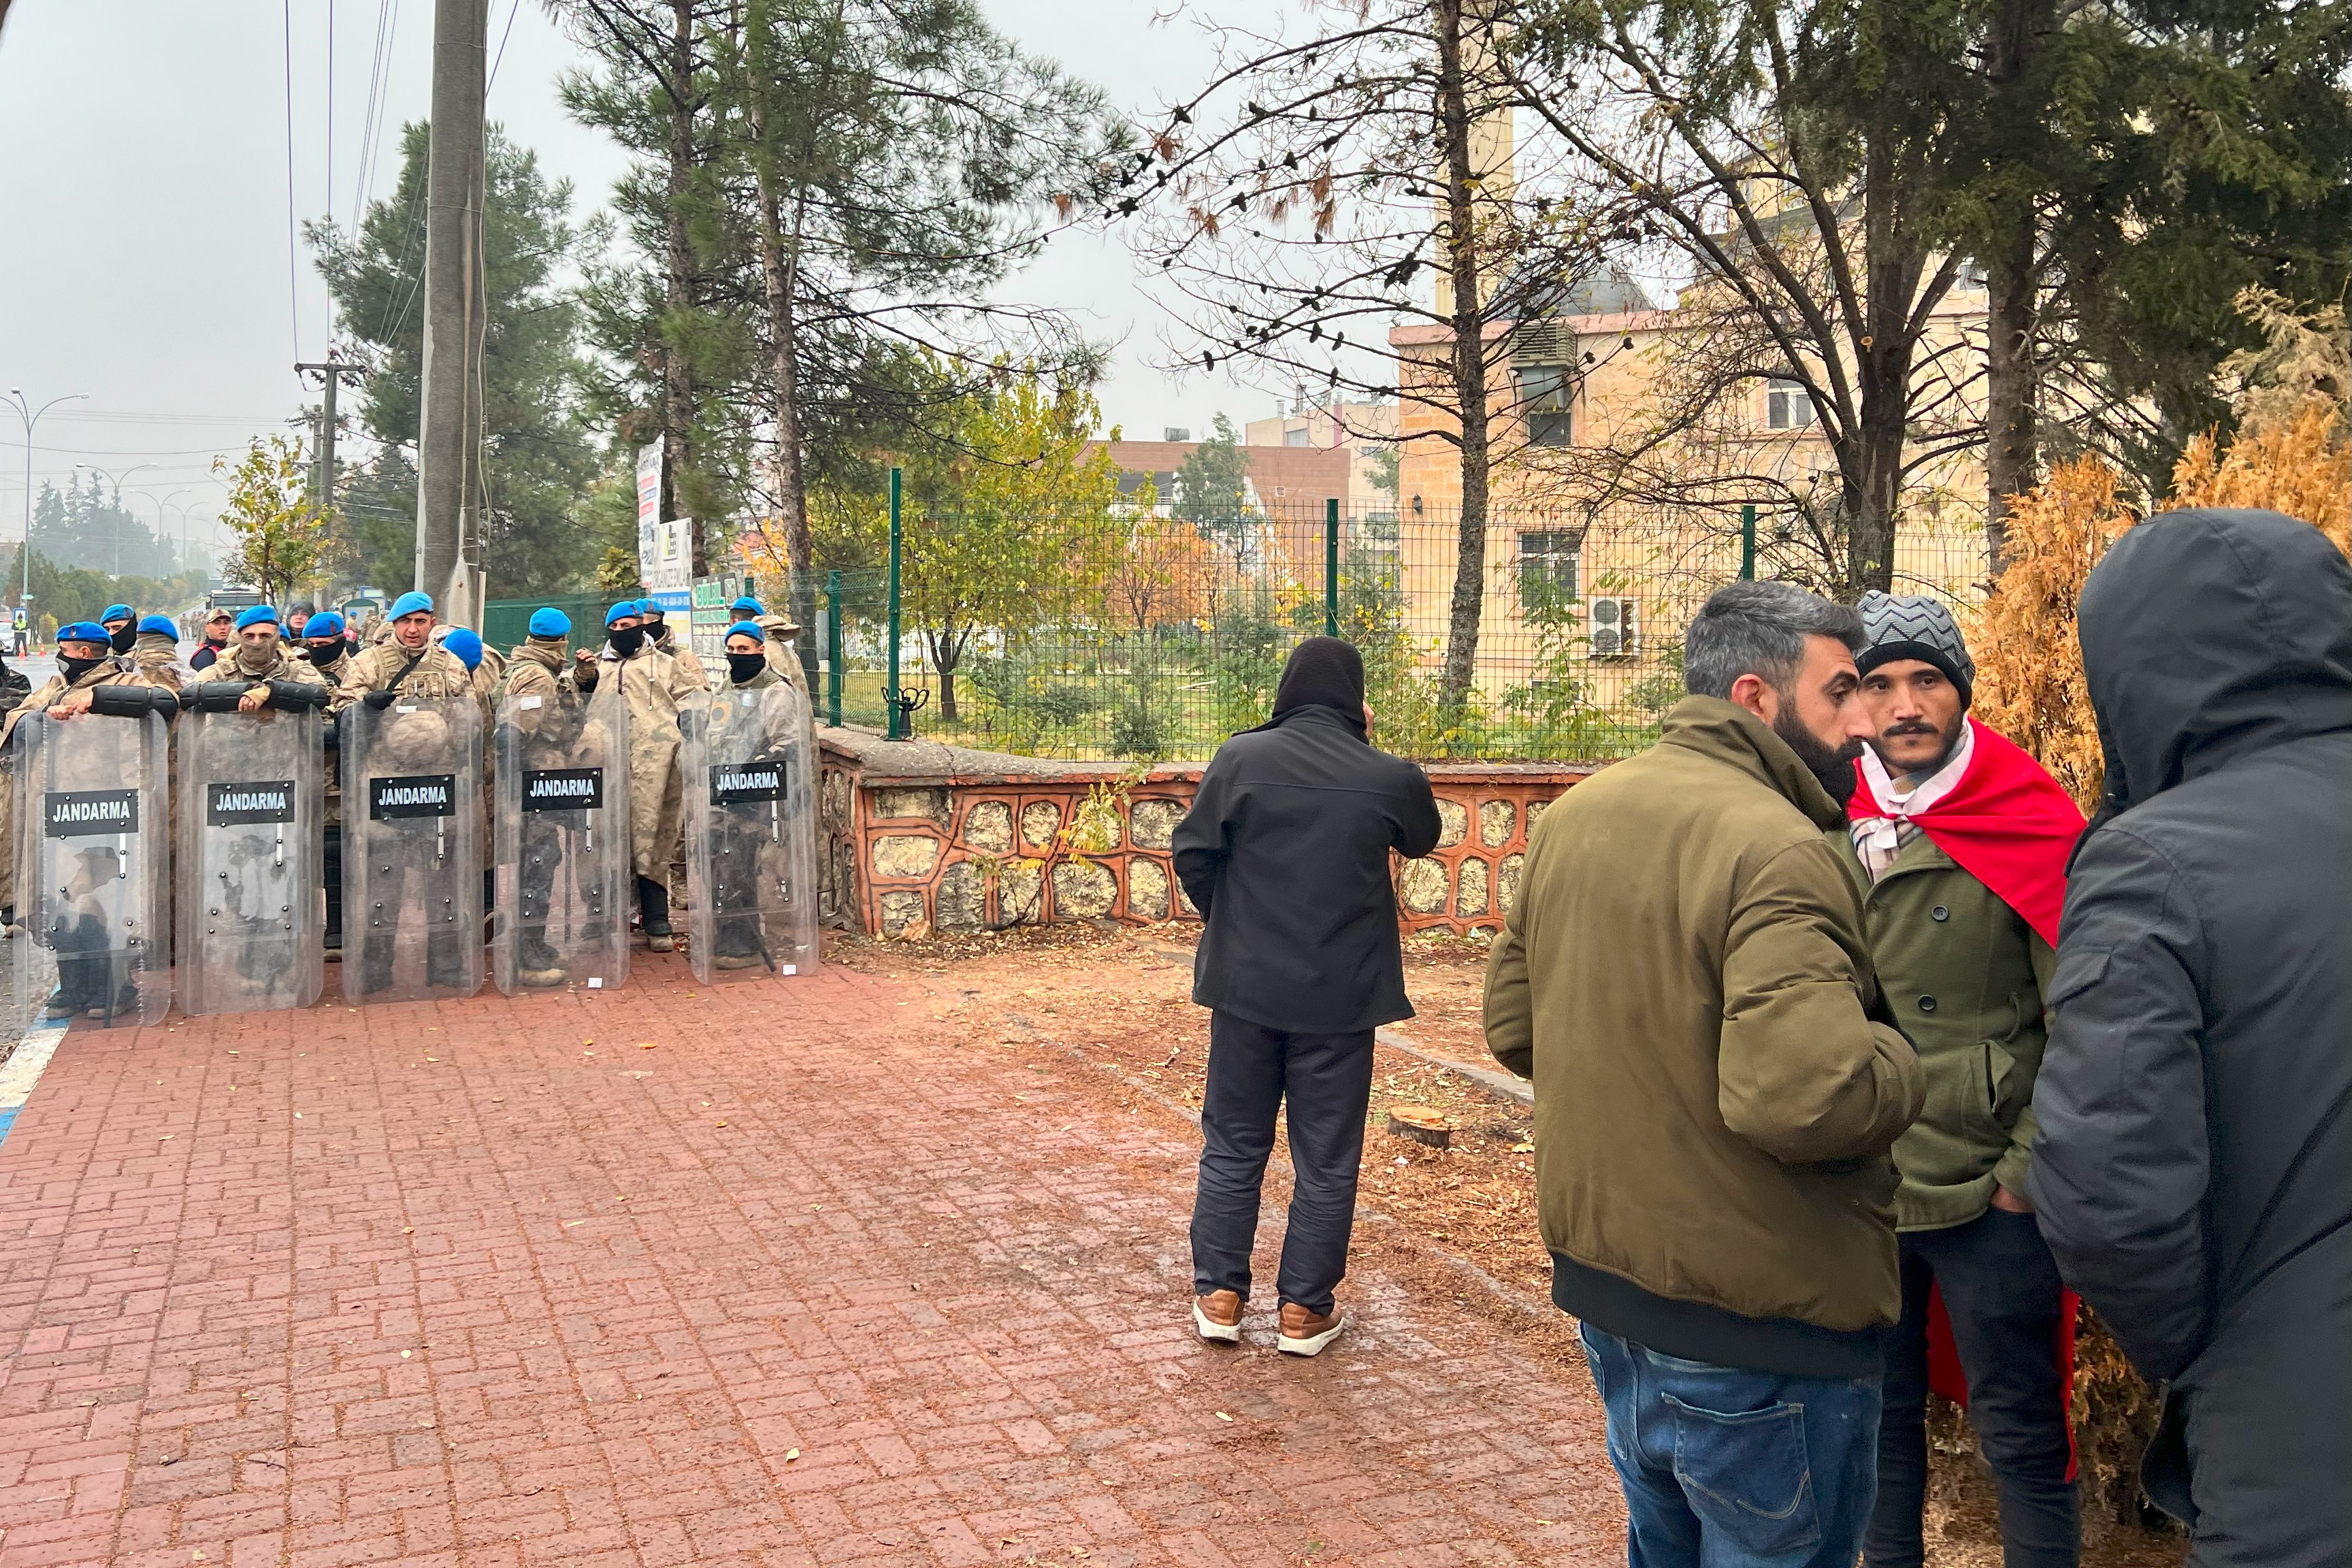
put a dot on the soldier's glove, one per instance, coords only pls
(379, 700)
(304, 694)
(118, 701)
(213, 696)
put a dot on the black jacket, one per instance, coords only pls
(2194, 1169)
(1286, 853)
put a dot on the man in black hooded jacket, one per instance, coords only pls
(2194, 1170)
(1285, 855)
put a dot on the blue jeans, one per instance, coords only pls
(1723, 1467)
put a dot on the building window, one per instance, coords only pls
(1296, 438)
(1547, 568)
(1787, 405)
(1545, 393)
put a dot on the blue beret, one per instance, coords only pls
(550, 622)
(649, 607)
(408, 604)
(748, 607)
(164, 625)
(325, 624)
(115, 612)
(625, 607)
(467, 645)
(84, 631)
(256, 616)
(746, 629)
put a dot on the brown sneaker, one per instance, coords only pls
(1218, 1317)
(1305, 1332)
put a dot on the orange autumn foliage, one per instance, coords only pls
(2302, 466)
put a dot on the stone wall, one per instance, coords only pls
(921, 837)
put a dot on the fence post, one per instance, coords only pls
(890, 690)
(1748, 543)
(1331, 566)
(832, 649)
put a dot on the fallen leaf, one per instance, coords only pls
(569, 1223)
(408, 1230)
(648, 1045)
(405, 1354)
(1223, 1416)
(791, 1454)
(719, 1124)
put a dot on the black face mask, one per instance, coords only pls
(324, 654)
(626, 640)
(745, 665)
(120, 641)
(76, 669)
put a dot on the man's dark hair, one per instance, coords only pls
(1759, 629)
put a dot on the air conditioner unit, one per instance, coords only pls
(1613, 623)
(1542, 342)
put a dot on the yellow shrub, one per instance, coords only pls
(2029, 659)
(2302, 466)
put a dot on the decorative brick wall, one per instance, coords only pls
(921, 837)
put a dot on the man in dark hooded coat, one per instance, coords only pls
(2193, 1174)
(1285, 855)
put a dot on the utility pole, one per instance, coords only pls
(449, 434)
(331, 374)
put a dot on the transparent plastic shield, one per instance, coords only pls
(751, 834)
(92, 859)
(252, 893)
(411, 849)
(562, 851)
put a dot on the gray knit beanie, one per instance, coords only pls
(1912, 626)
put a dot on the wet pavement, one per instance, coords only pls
(776, 1273)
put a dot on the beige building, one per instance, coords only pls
(1365, 432)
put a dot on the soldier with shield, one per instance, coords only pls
(411, 777)
(562, 819)
(86, 828)
(652, 685)
(751, 831)
(251, 828)
(325, 646)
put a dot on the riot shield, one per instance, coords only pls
(751, 834)
(92, 864)
(253, 903)
(411, 849)
(562, 851)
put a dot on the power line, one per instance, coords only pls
(293, 263)
(387, 27)
(493, 80)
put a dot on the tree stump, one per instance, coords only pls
(1421, 1124)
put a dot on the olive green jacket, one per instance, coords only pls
(1685, 977)
(1966, 976)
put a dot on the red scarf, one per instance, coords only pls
(2007, 822)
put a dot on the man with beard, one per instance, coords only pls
(1957, 845)
(1685, 977)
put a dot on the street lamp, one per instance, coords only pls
(31, 416)
(103, 474)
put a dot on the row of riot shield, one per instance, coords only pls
(94, 850)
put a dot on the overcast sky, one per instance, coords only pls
(144, 198)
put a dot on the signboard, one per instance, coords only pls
(665, 550)
(741, 783)
(708, 629)
(649, 477)
(418, 794)
(231, 805)
(564, 789)
(87, 813)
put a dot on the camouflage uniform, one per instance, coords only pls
(112, 671)
(439, 674)
(157, 657)
(553, 731)
(653, 684)
(780, 646)
(678, 648)
(747, 860)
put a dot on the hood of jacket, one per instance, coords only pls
(2209, 634)
(1731, 734)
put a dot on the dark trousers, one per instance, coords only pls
(2000, 1290)
(1327, 1081)
(334, 870)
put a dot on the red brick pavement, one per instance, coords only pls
(805, 1284)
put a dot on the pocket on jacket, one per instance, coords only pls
(1993, 1099)
(1748, 1475)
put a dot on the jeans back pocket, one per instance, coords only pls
(1747, 1476)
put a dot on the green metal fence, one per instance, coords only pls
(505, 622)
(1153, 636)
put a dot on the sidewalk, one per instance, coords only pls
(805, 1283)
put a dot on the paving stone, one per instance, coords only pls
(483, 1283)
